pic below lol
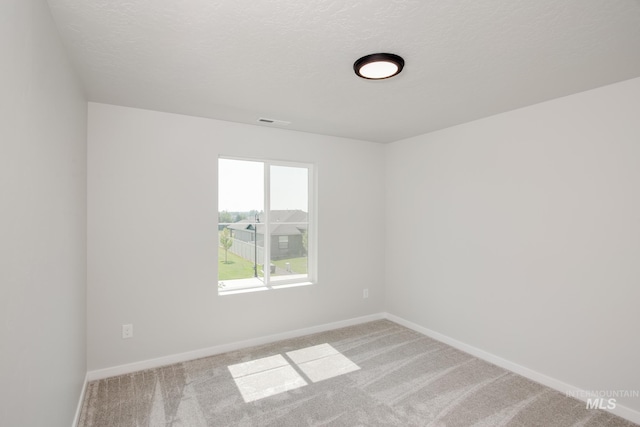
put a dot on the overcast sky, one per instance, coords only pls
(241, 186)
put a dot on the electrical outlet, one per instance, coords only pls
(365, 293)
(127, 331)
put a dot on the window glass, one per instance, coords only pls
(264, 214)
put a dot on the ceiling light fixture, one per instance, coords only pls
(378, 66)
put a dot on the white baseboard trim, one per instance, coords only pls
(224, 348)
(566, 389)
(76, 418)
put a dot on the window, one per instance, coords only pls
(283, 242)
(266, 230)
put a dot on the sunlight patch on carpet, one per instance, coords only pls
(272, 375)
(322, 362)
(265, 377)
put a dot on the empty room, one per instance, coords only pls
(320, 213)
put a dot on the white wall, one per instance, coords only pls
(524, 236)
(43, 117)
(152, 248)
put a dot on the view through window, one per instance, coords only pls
(265, 231)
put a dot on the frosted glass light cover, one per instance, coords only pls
(379, 70)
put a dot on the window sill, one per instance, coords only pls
(240, 286)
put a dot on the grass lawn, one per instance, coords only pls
(298, 265)
(237, 267)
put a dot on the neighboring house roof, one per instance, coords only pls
(277, 216)
(244, 224)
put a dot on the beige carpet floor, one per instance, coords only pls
(374, 374)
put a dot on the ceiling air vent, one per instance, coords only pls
(273, 121)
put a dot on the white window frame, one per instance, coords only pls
(312, 234)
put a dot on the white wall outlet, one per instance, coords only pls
(365, 293)
(127, 331)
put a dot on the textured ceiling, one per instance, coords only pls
(292, 60)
